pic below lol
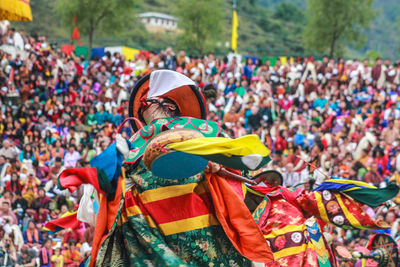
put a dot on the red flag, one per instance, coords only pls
(67, 220)
(67, 49)
(76, 34)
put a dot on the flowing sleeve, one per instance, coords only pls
(103, 174)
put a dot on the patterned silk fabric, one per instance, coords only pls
(145, 220)
(291, 221)
(142, 137)
(166, 222)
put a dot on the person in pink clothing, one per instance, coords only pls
(71, 157)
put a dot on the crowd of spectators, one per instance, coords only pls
(333, 117)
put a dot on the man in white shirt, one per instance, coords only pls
(8, 150)
(391, 112)
(290, 177)
(72, 157)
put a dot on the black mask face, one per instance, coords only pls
(170, 112)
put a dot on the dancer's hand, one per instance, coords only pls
(212, 167)
(122, 145)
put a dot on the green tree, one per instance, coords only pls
(398, 30)
(201, 22)
(289, 12)
(92, 15)
(44, 20)
(332, 24)
(372, 55)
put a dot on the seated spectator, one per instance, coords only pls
(8, 257)
(72, 256)
(30, 187)
(45, 254)
(27, 154)
(7, 196)
(52, 189)
(88, 153)
(40, 171)
(91, 118)
(345, 166)
(73, 135)
(71, 157)
(55, 168)
(26, 258)
(290, 177)
(69, 235)
(42, 201)
(101, 115)
(57, 259)
(381, 160)
(365, 159)
(14, 184)
(254, 119)
(6, 214)
(115, 118)
(43, 155)
(16, 237)
(63, 204)
(41, 216)
(57, 151)
(280, 141)
(373, 176)
(19, 205)
(8, 150)
(15, 166)
(32, 236)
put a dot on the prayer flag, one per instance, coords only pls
(129, 53)
(283, 60)
(235, 24)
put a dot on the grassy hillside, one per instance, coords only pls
(383, 35)
(266, 27)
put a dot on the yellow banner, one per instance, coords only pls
(235, 24)
(129, 53)
(283, 60)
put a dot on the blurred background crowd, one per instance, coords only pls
(333, 117)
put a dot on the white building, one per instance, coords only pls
(158, 22)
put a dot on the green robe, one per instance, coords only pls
(141, 236)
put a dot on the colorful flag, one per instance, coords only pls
(283, 60)
(67, 220)
(130, 53)
(360, 191)
(235, 24)
(75, 32)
